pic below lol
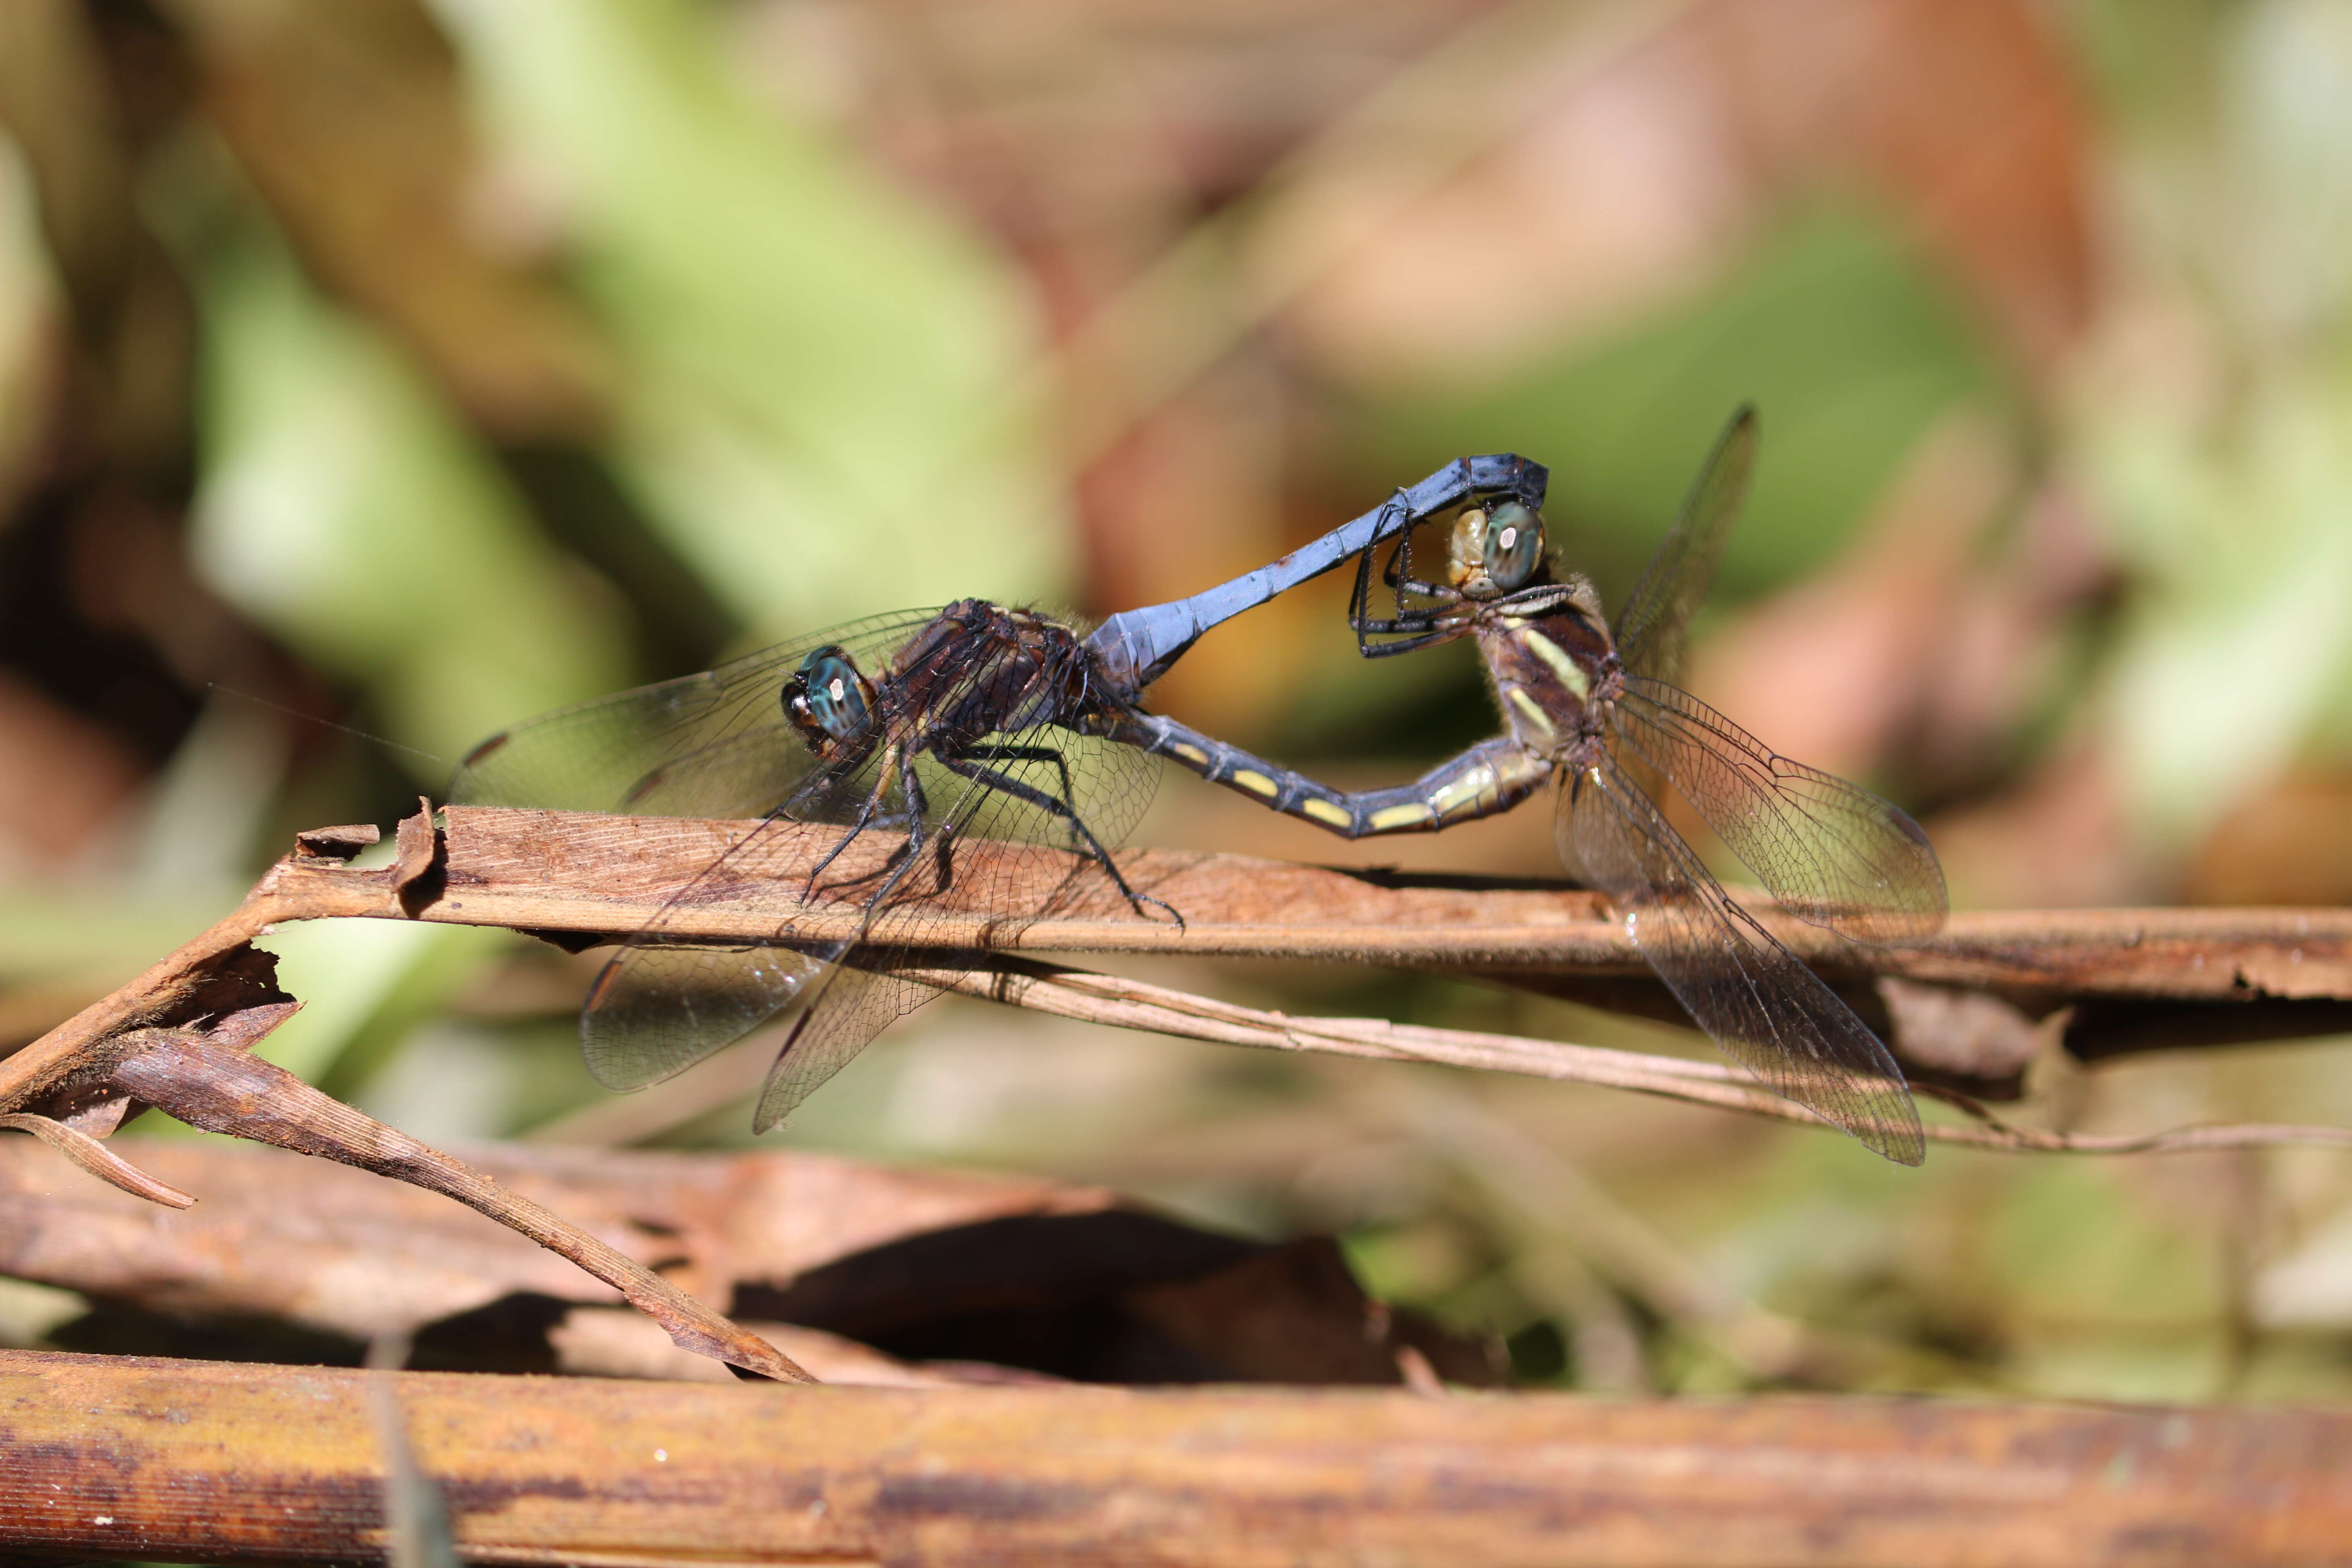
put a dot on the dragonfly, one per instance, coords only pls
(1591, 702)
(918, 738)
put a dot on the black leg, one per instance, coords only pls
(1091, 846)
(1422, 625)
(1032, 754)
(864, 817)
(1428, 639)
(904, 859)
(894, 761)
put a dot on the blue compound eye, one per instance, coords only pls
(1514, 545)
(828, 695)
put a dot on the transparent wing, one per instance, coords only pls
(665, 1001)
(852, 1006)
(663, 1004)
(655, 1010)
(714, 744)
(1000, 797)
(1104, 784)
(1831, 853)
(1653, 620)
(1765, 1009)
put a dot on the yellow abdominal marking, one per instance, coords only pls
(1400, 817)
(1571, 674)
(1324, 812)
(1255, 782)
(1532, 710)
(1189, 751)
(1468, 793)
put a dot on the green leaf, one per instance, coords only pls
(343, 506)
(816, 366)
(1834, 329)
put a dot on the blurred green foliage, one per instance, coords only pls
(345, 509)
(2224, 460)
(810, 368)
(1835, 329)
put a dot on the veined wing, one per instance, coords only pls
(1653, 620)
(663, 1004)
(850, 1006)
(1766, 1009)
(1000, 797)
(714, 744)
(667, 1000)
(657, 1008)
(1831, 853)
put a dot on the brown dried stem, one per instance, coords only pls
(610, 1472)
(224, 1089)
(601, 877)
(1135, 1004)
(120, 1045)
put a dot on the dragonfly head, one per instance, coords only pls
(830, 702)
(1495, 550)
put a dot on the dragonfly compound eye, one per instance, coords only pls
(1466, 550)
(1514, 545)
(827, 699)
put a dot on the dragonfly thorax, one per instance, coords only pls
(983, 668)
(1554, 669)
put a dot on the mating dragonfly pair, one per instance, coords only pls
(922, 736)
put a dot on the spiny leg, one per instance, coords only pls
(797, 809)
(799, 806)
(1408, 645)
(1425, 624)
(1091, 846)
(903, 859)
(893, 761)
(1032, 754)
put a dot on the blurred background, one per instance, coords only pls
(374, 375)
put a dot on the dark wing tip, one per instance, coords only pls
(644, 787)
(460, 782)
(484, 749)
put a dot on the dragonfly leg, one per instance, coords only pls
(1084, 841)
(871, 813)
(1032, 754)
(1406, 644)
(909, 855)
(1490, 777)
(806, 801)
(1419, 627)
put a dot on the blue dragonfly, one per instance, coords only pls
(918, 739)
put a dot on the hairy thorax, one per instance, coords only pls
(1556, 674)
(979, 668)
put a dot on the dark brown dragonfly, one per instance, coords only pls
(1593, 701)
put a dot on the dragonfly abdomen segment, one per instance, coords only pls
(1490, 777)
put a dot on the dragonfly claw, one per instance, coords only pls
(1139, 899)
